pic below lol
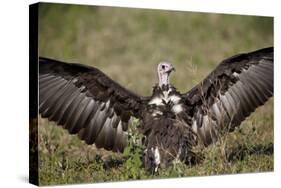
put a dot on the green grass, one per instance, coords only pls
(127, 45)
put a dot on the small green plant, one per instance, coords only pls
(134, 153)
(133, 165)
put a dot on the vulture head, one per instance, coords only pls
(164, 69)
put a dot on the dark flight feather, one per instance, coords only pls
(78, 97)
(239, 85)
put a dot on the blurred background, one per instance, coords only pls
(127, 44)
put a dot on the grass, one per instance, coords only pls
(127, 44)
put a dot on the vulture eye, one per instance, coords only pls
(163, 66)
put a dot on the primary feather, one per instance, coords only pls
(85, 101)
(230, 93)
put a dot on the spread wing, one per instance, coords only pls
(85, 101)
(230, 93)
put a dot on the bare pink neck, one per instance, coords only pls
(163, 79)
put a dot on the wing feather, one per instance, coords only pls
(86, 102)
(82, 115)
(74, 126)
(231, 93)
(48, 83)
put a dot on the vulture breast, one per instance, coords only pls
(168, 136)
(165, 100)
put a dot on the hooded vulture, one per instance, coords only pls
(88, 103)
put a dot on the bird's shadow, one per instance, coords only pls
(241, 151)
(113, 163)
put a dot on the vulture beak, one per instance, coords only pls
(172, 69)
